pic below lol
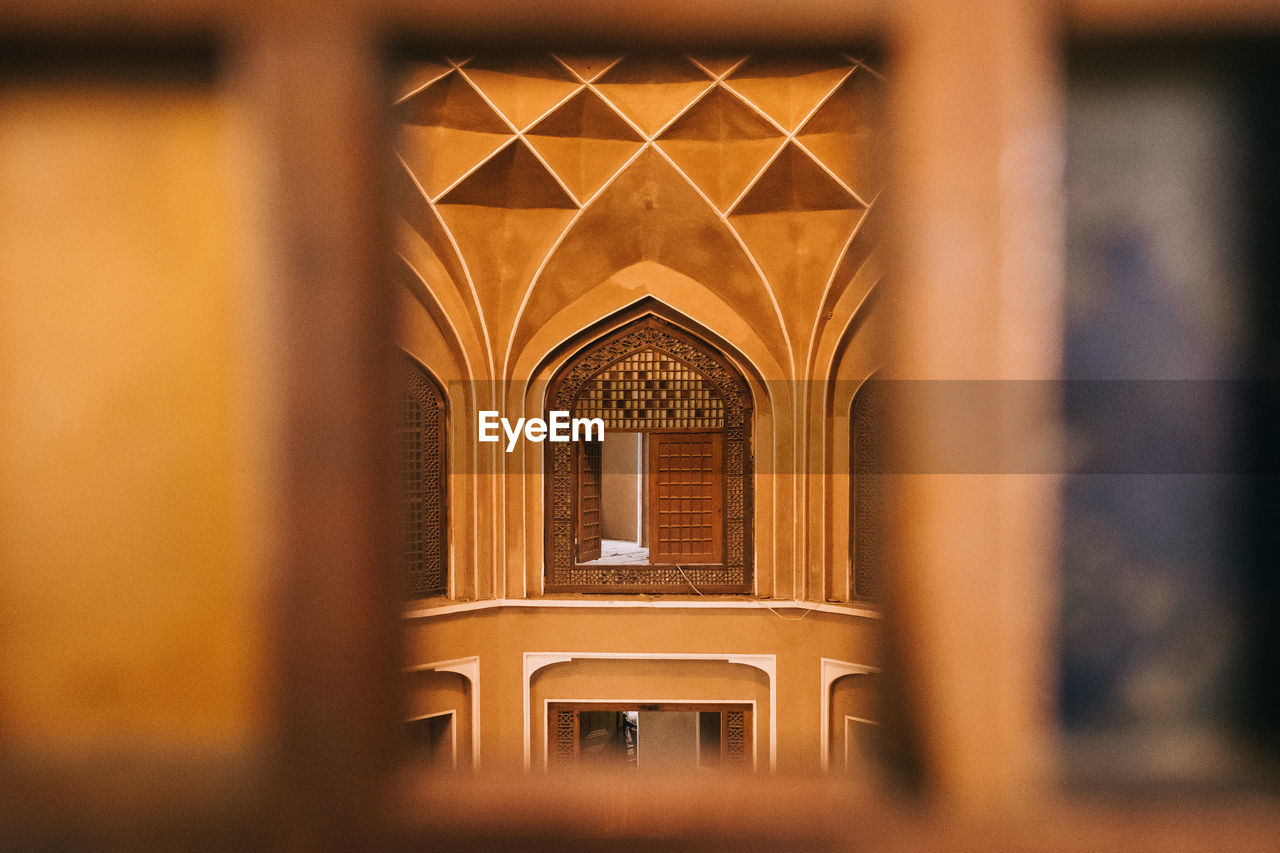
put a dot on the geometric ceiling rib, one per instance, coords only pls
(652, 90)
(787, 88)
(587, 66)
(446, 129)
(796, 222)
(721, 144)
(505, 217)
(845, 133)
(418, 214)
(533, 181)
(649, 212)
(511, 179)
(450, 102)
(524, 87)
(584, 142)
(794, 182)
(855, 255)
(718, 64)
(418, 74)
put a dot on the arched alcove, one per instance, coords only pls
(423, 421)
(694, 411)
(866, 500)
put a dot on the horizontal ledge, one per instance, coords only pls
(687, 604)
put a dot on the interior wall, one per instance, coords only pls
(542, 208)
(501, 636)
(621, 485)
(852, 696)
(725, 206)
(433, 692)
(653, 681)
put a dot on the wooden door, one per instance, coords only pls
(589, 500)
(686, 490)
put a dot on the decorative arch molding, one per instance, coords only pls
(430, 333)
(766, 663)
(648, 287)
(831, 671)
(468, 668)
(734, 573)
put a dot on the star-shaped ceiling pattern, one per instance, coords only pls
(511, 155)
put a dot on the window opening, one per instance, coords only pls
(663, 503)
(665, 737)
(424, 540)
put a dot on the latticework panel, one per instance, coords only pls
(566, 737)
(424, 549)
(736, 752)
(868, 491)
(649, 389)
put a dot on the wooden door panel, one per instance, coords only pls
(589, 485)
(686, 490)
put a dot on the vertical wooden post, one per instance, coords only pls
(323, 313)
(977, 295)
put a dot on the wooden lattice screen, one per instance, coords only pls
(422, 471)
(867, 523)
(650, 390)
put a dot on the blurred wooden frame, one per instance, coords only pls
(976, 101)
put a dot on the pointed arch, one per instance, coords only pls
(423, 421)
(710, 399)
(650, 212)
(867, 500)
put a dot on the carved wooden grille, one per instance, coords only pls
(867, 523)
(735, 738)
(667, 346)
(422, 472)
(650, 390)
(566, 737)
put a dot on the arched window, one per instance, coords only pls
(425, 550)
(866, 498)
(678, 416)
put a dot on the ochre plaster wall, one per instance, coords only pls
(620, 486)
(851, 696)
(501, 635)
(651, 680)
(431, 692)
(543, 204)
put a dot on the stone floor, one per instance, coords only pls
(619, 552)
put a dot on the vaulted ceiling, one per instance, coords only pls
(528, 181)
